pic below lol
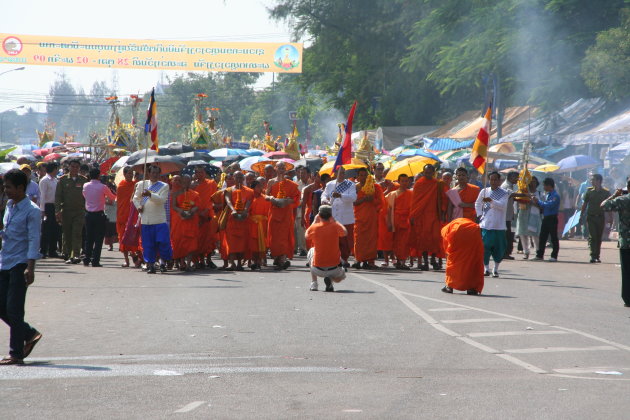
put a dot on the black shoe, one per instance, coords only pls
(508, 257)
(447, 289)
(486, 273)
(329, 286)
(472, 292)
(86, 263)
(212, 265)
(356, 265)
(162, 268)
(151, 269)
(302, 253)
(75, 261)
(286, 264)
(593, 261)
(97, 265)
(424, 267)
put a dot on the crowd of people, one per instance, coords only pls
(180, 221)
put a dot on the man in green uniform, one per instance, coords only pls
(593, 198)
(620, 202)
(70, 211)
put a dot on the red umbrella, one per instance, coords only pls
(52, 156)
(277, 155)
(107, 165)
(42, 152)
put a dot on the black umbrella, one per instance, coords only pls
(168, 164)
(211, 170)
(140, 154)
(174, 148)
(195, 155)
(314, 164)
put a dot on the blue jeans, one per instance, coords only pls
(12, 297)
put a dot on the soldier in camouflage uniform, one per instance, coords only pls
(70, 211)
(620, 202)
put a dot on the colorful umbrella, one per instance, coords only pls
(410, 167)
(50, 144)
(252, 152)
(119, 164)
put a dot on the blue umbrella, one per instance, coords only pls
(50, 144)
(225, 153)
(417, 152)
(576, 163)
(252, 152)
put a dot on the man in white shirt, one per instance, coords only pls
(341, 194)
(510, 186)
(50, 227)
(491, 206)
(149, 197)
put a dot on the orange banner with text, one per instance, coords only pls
(253, 57)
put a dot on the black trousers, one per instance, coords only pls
(509, 237)
(95, 223)
(624, 258)
(12, 298)
(50, 230)
(548, 228)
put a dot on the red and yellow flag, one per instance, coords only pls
(479, 154)
(151, 125)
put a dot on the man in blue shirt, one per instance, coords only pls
(20, 249)
(550, 207)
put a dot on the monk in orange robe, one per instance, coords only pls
(366, 209)
(285, 197)
(185, 223)
(399, 203)
(464, 247)
(238, 199)
(124, 193)
(207, 235)
(428, 215)
(467, 194)
(258, 216)
(385, 241)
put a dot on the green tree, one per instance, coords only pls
(606, 66)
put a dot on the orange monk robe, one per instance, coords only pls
(185, 232)
(281, 220)
(469, 195)
(429, 200)
(464, 247)
(207, 235)
(385, 236)
(400, 206)
(258, 217)
(124, 192)
(366, 225)
(237, 231)
(218, 200)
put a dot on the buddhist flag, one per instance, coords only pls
(479, 153)
(151, 125)
(344, 157)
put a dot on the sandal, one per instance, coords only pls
(124, 265)
(9, 360)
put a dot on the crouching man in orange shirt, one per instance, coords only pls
(324, 257)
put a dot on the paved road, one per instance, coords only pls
(545, 341)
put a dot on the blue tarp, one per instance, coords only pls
(442, 144)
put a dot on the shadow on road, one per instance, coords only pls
(369, 292)
(71, 367)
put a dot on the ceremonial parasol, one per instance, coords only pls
(246, 164)
(277, 155)
(260, 166)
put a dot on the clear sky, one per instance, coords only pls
(194, 20)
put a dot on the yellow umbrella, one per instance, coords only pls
(410, 167)
(547, 167)
(328, 166)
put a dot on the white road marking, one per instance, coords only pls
(448, 309)
(190, 407)
(502, 354)
(560, 349)
(509, 333)
(474, 320)
(590, 369)
(521, 363)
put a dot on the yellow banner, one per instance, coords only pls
(253, 57)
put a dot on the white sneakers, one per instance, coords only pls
(553, 259)
(314, 286)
